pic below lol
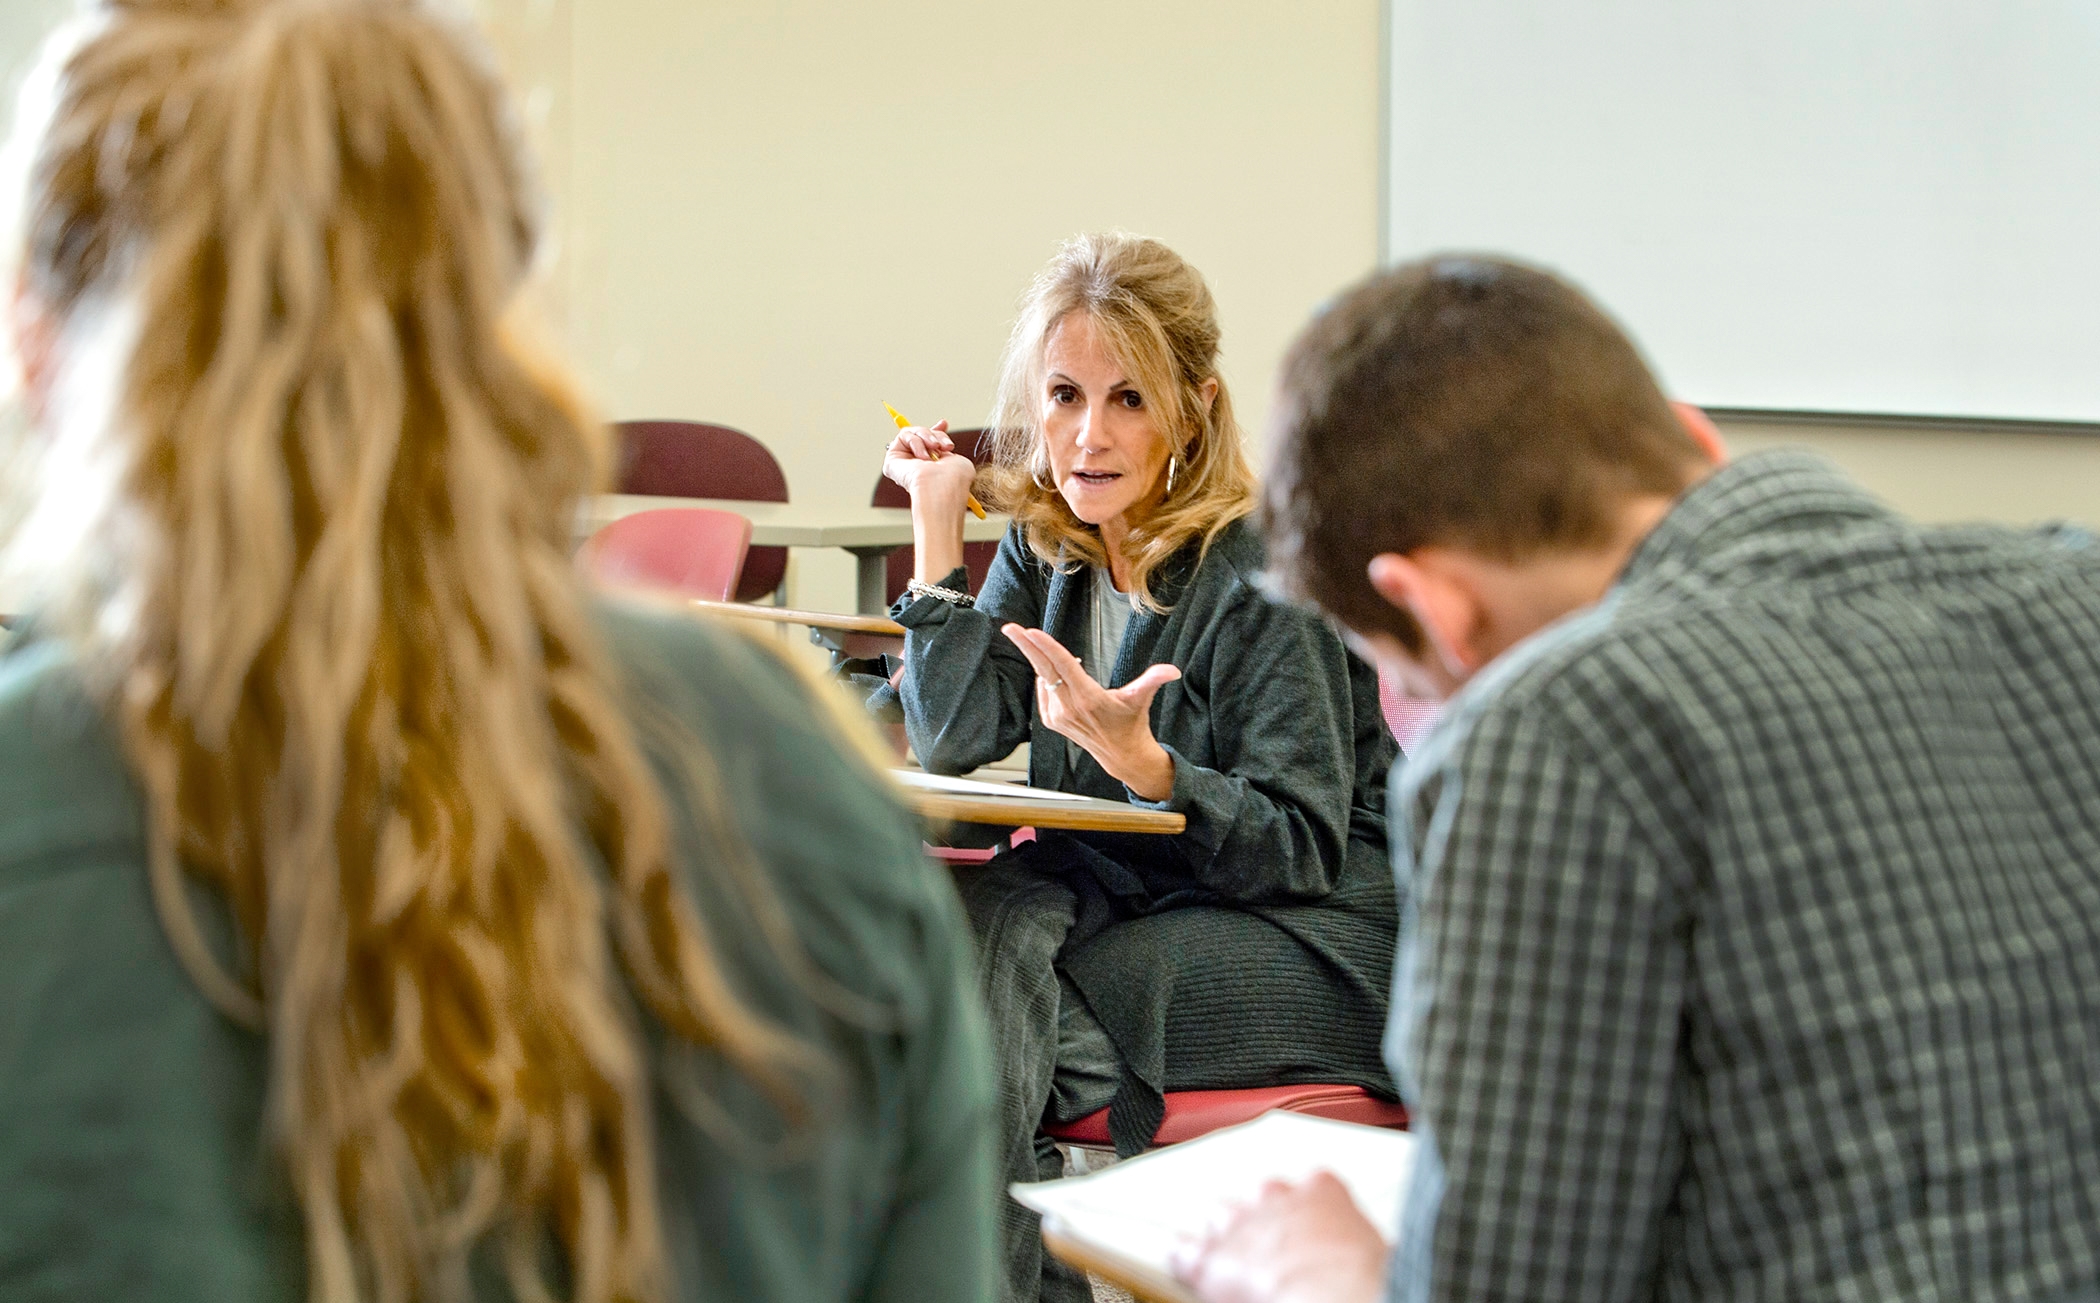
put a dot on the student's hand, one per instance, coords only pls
(1113, 725)
(1304, 1243)
(923, 461)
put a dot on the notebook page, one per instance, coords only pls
(1144, 1208)
(924, 781)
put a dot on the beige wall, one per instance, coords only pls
(784, 214)
(1941, 475)
(22, 27)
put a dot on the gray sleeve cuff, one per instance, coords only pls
(1202, 796)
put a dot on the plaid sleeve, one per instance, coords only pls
(1549, 962)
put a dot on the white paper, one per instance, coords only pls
(1144, 1208)
(919, 778)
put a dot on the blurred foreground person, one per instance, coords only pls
(380, 920)
(1751, 937)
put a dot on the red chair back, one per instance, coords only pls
(692, 459)
(977, 557)
(687, 550)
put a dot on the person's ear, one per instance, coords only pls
(1208, 392)
(1443, 601)
(33, 336)
(1703, 431)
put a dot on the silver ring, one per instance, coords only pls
(1055, 685)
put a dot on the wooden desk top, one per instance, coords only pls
(1089, 815)
(793, 524)
(789, 615)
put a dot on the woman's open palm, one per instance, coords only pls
(1113, 725)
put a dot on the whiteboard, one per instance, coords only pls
(1875, 206)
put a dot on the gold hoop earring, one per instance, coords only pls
(1171, 460)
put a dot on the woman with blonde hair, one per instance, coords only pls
(383, 919)
(1122, 634)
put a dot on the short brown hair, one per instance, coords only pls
(1458, 400)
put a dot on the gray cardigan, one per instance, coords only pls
(1267, 951)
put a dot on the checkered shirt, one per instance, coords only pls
(1751, 921)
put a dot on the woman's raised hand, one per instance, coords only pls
(922, 460)
(1113, 725)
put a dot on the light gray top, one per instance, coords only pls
(1111, 620)
(1108, 619)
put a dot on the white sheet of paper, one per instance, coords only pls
(919, 778)
(1142, 1209)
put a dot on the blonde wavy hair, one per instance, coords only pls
(310, 523)
(1153, 311)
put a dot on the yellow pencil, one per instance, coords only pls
(976, 507)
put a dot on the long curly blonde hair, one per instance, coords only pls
(310, 523)
(1156, 315)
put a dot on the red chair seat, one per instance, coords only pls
(1191, 1113)
(978, 854)
(961, 854)
(688, 550)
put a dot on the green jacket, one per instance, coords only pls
(132, 1160)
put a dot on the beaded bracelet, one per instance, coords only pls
(917, 589)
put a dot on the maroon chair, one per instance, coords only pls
(691, 459)
(686, 550)
(977, 557)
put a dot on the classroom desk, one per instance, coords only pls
(1077, 813)
(869, 533)
(843, 635)
(863, 635)
(1088, 815)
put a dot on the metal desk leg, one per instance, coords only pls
(872, 596)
